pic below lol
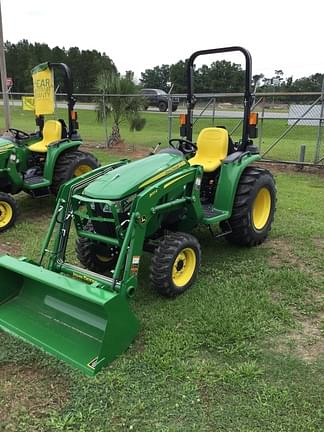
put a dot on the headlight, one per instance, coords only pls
(125, 204)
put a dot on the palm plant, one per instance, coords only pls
(120, 102)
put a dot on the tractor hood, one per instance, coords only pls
(6, 144)
(134, 176)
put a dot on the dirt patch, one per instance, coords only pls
(122, 150)
(306, 342)
(29, 391)
(292, 167)
(282, 254)
(10, 248)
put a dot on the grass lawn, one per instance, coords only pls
(242, 350)
(156, 130)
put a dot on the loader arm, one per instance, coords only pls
(62, 213)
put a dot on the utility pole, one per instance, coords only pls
(3, 71)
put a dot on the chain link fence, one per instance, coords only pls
(291, 125)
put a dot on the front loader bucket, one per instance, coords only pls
(83, 325)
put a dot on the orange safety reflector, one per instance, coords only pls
(182, 119)
(74, 115)
(253, 118)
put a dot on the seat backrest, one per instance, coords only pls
(212, 143)
(52, 131)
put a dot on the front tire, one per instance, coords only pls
(96, 256)
(253, 209)
(72, 164)
(163, 106)
(175, 264)
(8, 211)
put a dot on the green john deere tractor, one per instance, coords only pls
(83, 315)
(38, 163)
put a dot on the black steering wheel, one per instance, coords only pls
(185, 146)
(19, 134)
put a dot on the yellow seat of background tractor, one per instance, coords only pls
(212, 148)
(52, 132)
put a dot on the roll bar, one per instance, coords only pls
(68, 83)
(247, 91)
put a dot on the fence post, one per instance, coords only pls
(55, 96)
(302, 153)
(261, 125)
(320, 125)
(169, 117)
(214, 110)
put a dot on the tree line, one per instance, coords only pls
(220, 76)
(225, 77)
(88, 65)
(21, 57)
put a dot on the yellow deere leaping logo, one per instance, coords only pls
(163, 174)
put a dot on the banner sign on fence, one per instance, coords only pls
(28, 103)
(43, 81)
(312, 115)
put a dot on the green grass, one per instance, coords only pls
(239, 351)
(156, 130)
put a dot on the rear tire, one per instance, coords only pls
(253, 209)
(163, 106)
(175, 264)
(8, 211)
(96, 256)
(72, 164)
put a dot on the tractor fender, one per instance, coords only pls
(229, 178)
(54, 152)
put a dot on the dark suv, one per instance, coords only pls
(158, 98)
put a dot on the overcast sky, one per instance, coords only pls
(141, 34)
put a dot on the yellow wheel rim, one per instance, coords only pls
(82, 169)
(184, 267)
(6, 213)
(261, 208)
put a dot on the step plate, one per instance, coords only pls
(29, 181)
(210, 212)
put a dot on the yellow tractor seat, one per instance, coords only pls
(52, 132)
(212, 148)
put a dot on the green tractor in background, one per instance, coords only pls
(83, 315)
(39, 163)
